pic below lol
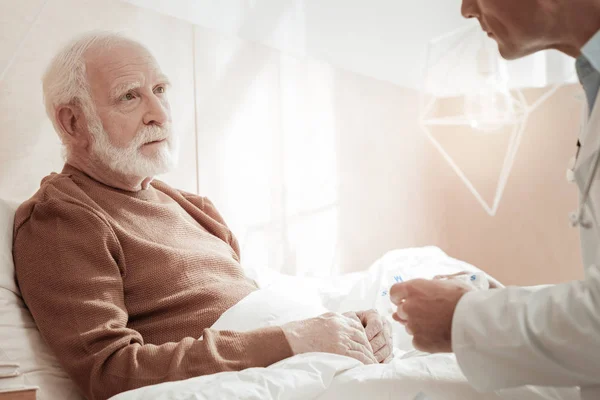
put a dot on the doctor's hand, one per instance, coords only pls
(330, 333)
(378, 331)
(426, 308)
(492, 283)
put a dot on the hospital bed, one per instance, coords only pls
(410, 375)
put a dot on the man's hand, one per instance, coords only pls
(426, 309)
(330, 333)
(379, 333)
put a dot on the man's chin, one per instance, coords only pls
(510, 53)
(158, 166)
(137, 164)
(505, 52)
(143, 167)
(155, 168)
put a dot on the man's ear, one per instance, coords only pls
(72, 122)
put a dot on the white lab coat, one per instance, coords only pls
(545, 335)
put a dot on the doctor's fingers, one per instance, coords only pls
(396, 318)
(449, 276)
(401, 313)
(406, 320)
(427, 344)
(400, 292)
(409, 329)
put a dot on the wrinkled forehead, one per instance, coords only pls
(121, 64)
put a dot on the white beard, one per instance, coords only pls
(129, 161)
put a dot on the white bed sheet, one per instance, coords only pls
(325, 376)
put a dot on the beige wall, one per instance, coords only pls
(397, 191)
(317, 169)
(530, 240)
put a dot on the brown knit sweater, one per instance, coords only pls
(122, 284)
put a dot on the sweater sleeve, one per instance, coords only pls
(69, 267)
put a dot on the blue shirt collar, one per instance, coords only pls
(588, 67)
(591, 51)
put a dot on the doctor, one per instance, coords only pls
(550, 335)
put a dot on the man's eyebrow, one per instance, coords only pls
(163, 80)
(124, 87)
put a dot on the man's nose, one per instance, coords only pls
(469, 9)
(157, 113)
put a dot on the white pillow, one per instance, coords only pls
(20, 340)
(271, 306)
(7, 270)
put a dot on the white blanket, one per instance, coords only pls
(411, 375)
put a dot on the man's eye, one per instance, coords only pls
(128, 97)
(159, 89)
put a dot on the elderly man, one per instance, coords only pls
(123, 273)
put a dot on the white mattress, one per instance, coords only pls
(411, 375)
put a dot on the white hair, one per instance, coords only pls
(65, 81)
